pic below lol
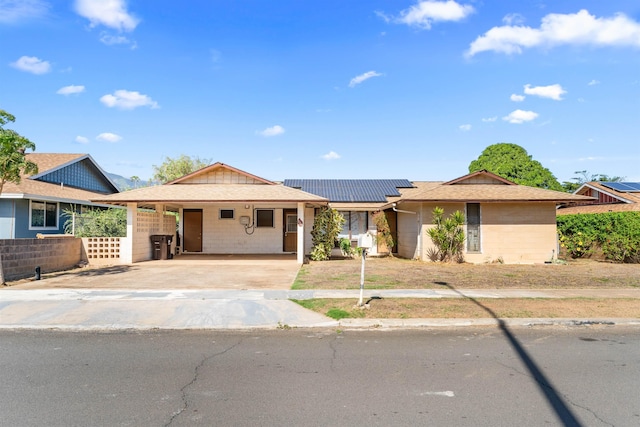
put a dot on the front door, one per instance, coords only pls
(290, 228)
(192, 230)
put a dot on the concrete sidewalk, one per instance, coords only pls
(118, 309)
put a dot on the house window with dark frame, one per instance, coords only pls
(227, 214)
(264, 218)
(44, 214)
(473, 227)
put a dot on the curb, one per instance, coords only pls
(454, 323)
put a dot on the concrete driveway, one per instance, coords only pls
(234, 272)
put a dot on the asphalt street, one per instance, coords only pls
(489, 376)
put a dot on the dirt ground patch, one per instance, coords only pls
(396, 273)
(410, 308)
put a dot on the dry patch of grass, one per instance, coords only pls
(395, 273)
(411, 308)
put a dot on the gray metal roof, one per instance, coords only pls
(351, 190)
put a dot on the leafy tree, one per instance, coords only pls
(585, 176)
(13, 161)
(183, 165)
(447, 235)
(135, 180)
(512, 162)
(326, 227)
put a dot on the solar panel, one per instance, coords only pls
(351, 190)
(627, 187)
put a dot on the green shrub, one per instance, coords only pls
(616, 234)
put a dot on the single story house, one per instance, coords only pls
(221, 210)
(606, 197)
(37, 204)
(224, 210)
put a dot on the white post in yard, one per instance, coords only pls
(365, 241)
(127, 244)
(300, 230)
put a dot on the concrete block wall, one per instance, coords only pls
(224, 236)
(101, 250)
(19, 257)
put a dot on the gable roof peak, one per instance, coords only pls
(213, 167)
(483, 174)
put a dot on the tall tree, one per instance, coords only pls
(13, 146)
(183, 165)
(512, 162)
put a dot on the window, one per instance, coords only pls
(473, 227)
(226, 213)
(264, 217)
(355, 223)
(44, 214)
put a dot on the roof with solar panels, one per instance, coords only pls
(610, 197)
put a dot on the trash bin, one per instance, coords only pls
(161, 246)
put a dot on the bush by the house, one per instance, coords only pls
(96, 223)
(615, 234)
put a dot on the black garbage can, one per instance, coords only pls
(161, 246)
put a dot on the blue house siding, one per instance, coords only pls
(7, 208)
(22, 226)
(81, 174)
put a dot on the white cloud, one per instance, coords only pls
(31, 64)
(108, 137)
(70, 90)
(513, 18)
(272, 131)
(520, 116)
(128, 100)
(593, 83)
(489, 119)
(465, 128)
(111, 40)
(331, 155)
(110, 13)
(552, 91)
(13, 11)
(517, 98)
(556, 29)
(82, 140)
(362, 77)
(424, 13)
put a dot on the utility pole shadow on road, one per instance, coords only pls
(564, 413)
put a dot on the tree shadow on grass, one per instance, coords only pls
(564, 413)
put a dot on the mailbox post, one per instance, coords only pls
(365, 242)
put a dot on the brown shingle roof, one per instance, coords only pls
(202, 193)
(487, 193)
(30, 188)
(611, 207)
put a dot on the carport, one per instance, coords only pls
(220, 210)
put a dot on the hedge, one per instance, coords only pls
(615, 234)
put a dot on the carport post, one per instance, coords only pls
(126, 245)
(300, 243)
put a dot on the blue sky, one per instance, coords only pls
(327, 89)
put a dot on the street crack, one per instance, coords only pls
(196, 372)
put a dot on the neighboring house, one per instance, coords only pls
(607, 197)
(224, 210)
(63, 181)
(357, 200)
